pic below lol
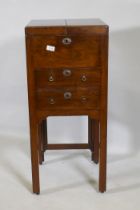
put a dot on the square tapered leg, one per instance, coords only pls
(103, 152)
(93, 138)
(42, 140)
(34, 140)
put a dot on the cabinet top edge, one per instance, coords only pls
(66, 22)
(63, 27)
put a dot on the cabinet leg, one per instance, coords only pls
(42, 140)
(41, 149)
(34, 156)
(93, 138)
(103, 153)
(90, 142)
(44, 128)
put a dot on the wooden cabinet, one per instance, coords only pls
(67, 71)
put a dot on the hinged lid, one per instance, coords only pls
(64, 27)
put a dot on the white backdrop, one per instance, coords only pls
(123, 17)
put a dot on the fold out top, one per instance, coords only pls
(65, 27)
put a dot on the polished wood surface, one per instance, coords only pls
(64, 27)
(67, 146)
(54, 98)
(76, 54)
(66, 22)
(67, 71)
(74, 76)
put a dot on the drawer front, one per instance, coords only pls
(54, 51)
(68, 98)
(66, 76)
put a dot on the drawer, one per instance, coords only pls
(54, 51)
(68, 98)
(66, 76)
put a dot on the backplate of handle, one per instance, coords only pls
(67, 95)
(66, 40)
(67, 72)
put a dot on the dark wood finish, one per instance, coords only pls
(67, 71)
(67, 146)
(103, 113)
(41, 146)
(93, 138)
(65, 112)
(43, 139)
(44, 131)
(90, 139)
(82, 52)
(34, 140)
(52, 98)
(64, 27)
(59, 77)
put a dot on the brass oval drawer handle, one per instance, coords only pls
(66, 40)
(67, 95)
(51, 79)
(67, 72)
(83, 78)
(51, 101)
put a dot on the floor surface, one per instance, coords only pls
(69, 180)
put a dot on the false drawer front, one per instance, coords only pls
(66, 76)
(68, 98)
(59, 51)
